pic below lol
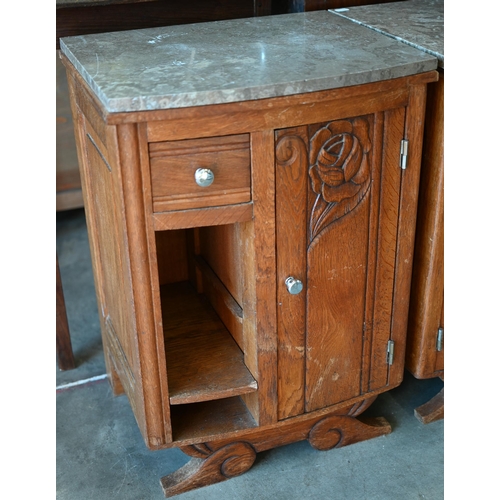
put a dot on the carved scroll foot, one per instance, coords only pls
(209, 467)
(432, 410)
(341, 430)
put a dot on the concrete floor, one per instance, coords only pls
(101, 454)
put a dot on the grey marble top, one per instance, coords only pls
(419, 23)
(236, 60)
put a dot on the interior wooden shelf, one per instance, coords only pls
(202, 420)
(203, 361)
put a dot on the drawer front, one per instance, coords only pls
(174, 165)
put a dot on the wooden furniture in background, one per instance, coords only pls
(425, 347)
(263, 309)
(310, 5)
(64, 350)
(68, 184)
(81, 17)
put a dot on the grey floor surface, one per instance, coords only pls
(102, 456)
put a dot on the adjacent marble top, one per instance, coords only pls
(419, 23)
(236, 60)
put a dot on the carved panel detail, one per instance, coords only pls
(336, 431)
(339, 169)
(227, 461)
(209, 467)
(289, 149)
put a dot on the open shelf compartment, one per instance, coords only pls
(204, 362)
(201, 421)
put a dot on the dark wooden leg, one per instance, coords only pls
(432, 410)
(64, 350)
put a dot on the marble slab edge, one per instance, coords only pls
(220, 96)
(340, 63)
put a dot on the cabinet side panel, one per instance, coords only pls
(338, 227)
(107, 224)
(291, 239)
(80, 122)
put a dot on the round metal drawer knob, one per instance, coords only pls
(294, 286)
(204, 177)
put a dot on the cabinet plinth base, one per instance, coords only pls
(217, 466)
(433, 410)
(341, 430)
(215, 462)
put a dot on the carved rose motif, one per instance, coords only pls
(339, 169)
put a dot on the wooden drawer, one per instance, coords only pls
(173, 167)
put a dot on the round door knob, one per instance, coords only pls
(204, 177)
(294, 286)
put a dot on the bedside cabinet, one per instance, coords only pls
(251, 213)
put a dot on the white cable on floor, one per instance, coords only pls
(81, 382)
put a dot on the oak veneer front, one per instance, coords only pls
(329, 205)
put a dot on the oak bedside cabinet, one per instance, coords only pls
(251, 193)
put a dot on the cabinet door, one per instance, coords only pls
(337, 209)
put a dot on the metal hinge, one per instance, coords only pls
(439, 340)
(404, 153)
(390, 352)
